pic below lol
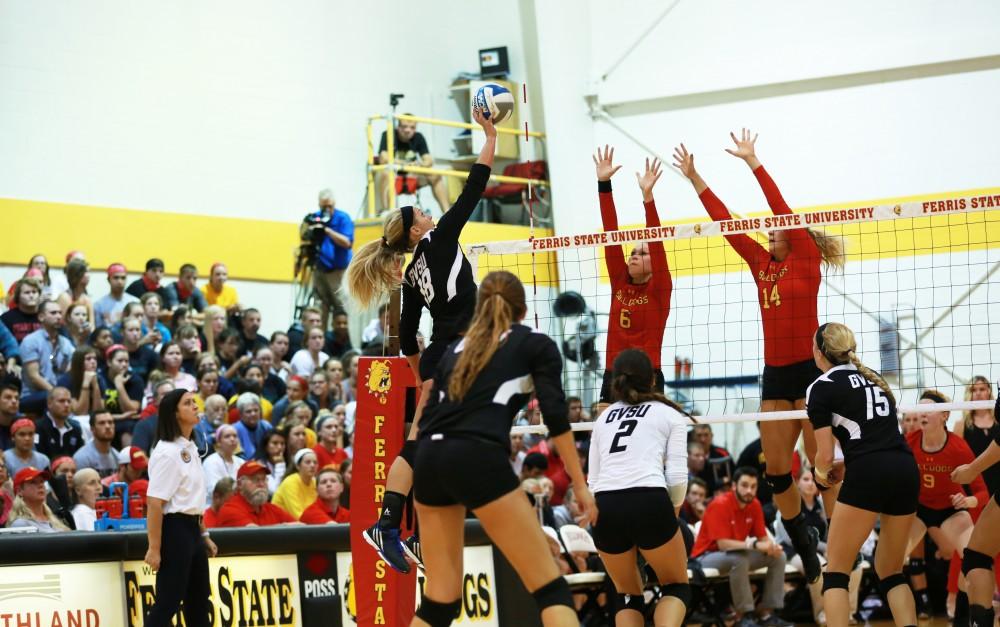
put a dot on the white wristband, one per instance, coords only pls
(751, 541)
(204, 534)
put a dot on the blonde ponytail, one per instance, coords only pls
(836, 342)
(501, 302)
(831, 249)
(872, 376)
(376, 268)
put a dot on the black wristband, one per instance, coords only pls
(604, 187)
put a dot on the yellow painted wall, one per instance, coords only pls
(259, 250)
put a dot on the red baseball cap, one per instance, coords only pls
(134, 456)
(22, 423)
(252, 467)
(28, 474)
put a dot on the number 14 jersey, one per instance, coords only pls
(638, 446)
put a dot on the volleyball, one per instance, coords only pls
(496, 102)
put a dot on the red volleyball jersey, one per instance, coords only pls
(639, 311)
(786, 290)
(936, 486)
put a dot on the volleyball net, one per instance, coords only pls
(918, 287)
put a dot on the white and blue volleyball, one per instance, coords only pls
(495, 102)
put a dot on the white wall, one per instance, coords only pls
(238, 109)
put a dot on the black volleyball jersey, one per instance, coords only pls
(862, 416)
(526, 361)
(439, 277)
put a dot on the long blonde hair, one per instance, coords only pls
(20, 509)
(501, 302)
(968, 414)
(831, 249)
(376, 268)
(839, 346)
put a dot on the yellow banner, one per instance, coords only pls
(59, 595)
(246, 591)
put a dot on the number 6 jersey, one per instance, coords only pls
(638, 310)
(439, 276)
(638, 446)
(863, 418)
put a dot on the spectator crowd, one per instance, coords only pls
(81, 378)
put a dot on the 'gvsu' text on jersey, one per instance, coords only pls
(628, 416)
(420, 277)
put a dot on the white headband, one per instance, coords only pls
(302, 452)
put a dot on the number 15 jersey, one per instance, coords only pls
(862, 416)
(638, 446)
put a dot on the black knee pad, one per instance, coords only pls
(779, 483)
(409, 452)
(821, 487)
(889, 582)
(680, 591)
(980, 616)
(917, 566)
(833, 580)
(635, 602)
(972, 560)
(556, 592)
(438, 614)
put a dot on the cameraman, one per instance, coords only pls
(332, 233)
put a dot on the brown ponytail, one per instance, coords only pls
(631, 381)
(836, 342)
(376, 268)
(500, 303)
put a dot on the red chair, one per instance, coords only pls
(517, 193)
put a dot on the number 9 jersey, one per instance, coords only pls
(638, 446)
(863, 418)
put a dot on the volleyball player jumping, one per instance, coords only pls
(977, 563)
(462, 461)
(638, 472)
(851, 404)
(788, 275)
(640, 290)
(439, 277)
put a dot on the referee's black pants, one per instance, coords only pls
(183, 574)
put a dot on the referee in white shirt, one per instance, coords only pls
(176, 498)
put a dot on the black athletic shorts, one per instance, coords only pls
(886, 482)
(934, 517)
(431, 357)
(634, 517)
(455, 470)
(606, 385)
(788, 383)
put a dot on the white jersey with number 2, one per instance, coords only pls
(638, 446)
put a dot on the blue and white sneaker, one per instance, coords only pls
(389, 547)
(412, 548)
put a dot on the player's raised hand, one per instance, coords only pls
(649, 178)
(744, 144)
(604, 163)
(684, 161)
